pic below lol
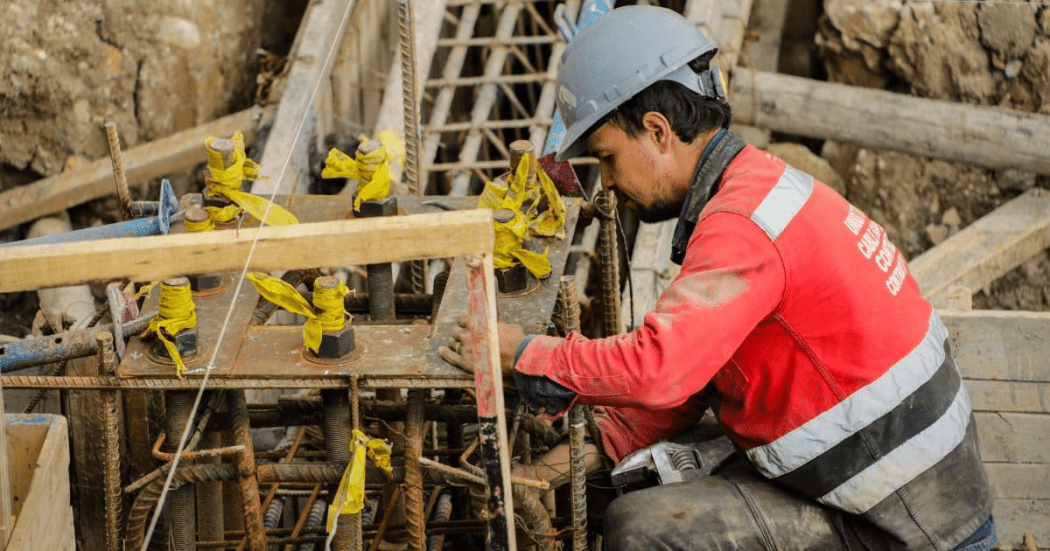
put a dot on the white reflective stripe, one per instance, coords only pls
(860, 409)
(783, 201)
(870, 486)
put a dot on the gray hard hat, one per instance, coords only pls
(621, 54)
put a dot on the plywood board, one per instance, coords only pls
(40, 454)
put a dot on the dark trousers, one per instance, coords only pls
(738, 510)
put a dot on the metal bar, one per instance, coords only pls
(338, 439)
(609, 257)
(492, 426)
(485, 41)
(578, 474)
(119, 177)
(102, 383)
(107, 364)
(60, 347)
(246, 471)
(488, 79)
(414, 520)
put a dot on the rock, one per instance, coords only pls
(951, 218)
(936, 233)
(1008, 29)
(800, 157)
(870, 21)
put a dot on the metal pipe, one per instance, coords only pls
(139, 227)
(34, 352)
(316, 518)
(442, 512)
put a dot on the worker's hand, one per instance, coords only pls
(460, 346)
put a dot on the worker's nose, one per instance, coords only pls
(606, 179)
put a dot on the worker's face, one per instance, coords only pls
(636, 170)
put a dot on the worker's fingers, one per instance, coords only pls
(463, 320)
(454, 358)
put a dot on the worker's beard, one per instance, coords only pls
(654, 213)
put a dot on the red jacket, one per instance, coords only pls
(834, 374)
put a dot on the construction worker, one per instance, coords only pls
(793, 317)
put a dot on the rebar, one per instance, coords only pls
(318, 513)
(391, 505)
(138, 515)
(528, 505)
(442, 512)
(253, 522)
(107, 363)
(338, 438)
(568, 318)
(414, 520)
(308, 509)
(118, 170)
(181, 501)
(272, 518)
(410, 91)
(609, 257)
(210, 523)
(578, 474)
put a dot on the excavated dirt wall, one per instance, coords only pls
(975, 53)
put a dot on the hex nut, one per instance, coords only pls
(337, 345)
(185, 343)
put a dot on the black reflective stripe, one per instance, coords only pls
(914, 414)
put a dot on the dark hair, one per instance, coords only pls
(689, 113)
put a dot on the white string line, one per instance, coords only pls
(236, 292)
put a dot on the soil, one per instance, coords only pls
(976, 53)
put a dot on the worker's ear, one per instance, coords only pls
(658, 128)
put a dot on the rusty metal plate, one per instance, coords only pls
(531, 309)
(395, 355)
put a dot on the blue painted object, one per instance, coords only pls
(139, 227)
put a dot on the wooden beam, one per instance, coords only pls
(286, 159)
(142, 163)
(6, 514)
(988, 248)
(991, 137)
(1014, 396)
(1014, 437)
(1000, 345)
(337, 243)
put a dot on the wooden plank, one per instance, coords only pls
(6, 515)
(43, 472)
(1019, 481)
(142, 163)
(988, 248)
(991, 137)
(1000, 345)
(1014, 437)
(336, 243)
(1018, 397)
(87, 454)
(286, 160)
(1014, 517)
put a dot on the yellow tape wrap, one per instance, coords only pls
(524, 198)
(226, 181)
(352, 485)
(333, 317)
(371, 170)
(282, 294)
(176, 312)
